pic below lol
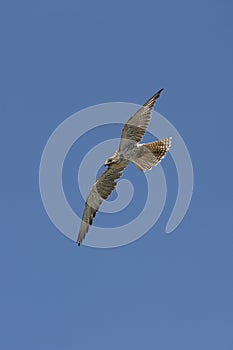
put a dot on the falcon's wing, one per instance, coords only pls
(101, 190)
(136, 126)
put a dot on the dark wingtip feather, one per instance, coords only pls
(150, 103)
(159, 92)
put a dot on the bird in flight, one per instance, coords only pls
(144, 156)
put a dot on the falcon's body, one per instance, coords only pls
(144, 156)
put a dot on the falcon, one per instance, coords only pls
(143, 155)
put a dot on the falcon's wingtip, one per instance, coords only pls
(159, 92)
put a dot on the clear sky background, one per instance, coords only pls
(164, 292)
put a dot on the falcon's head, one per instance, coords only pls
(113, 159)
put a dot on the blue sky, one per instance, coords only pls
(163, 291)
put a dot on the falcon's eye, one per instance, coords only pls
(108, 161)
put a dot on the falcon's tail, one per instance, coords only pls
(152, 153)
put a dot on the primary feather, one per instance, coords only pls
(144, 157)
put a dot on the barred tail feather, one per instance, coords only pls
(152, 153)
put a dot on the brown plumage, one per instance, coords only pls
(100, 191)
(136, 126)
(150, 154)
(144, 156)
